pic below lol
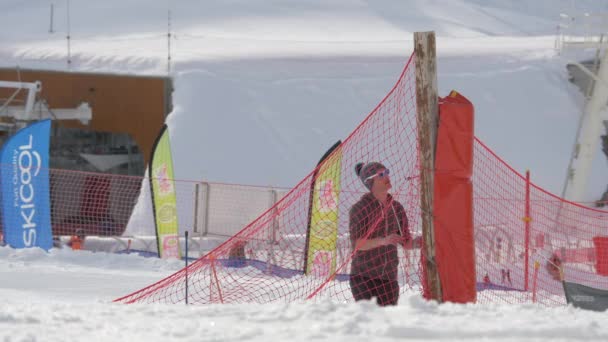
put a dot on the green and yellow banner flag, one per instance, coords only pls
(164, 203)
(322, 235)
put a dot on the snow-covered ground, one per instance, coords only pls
(262, 89)
(65, 296)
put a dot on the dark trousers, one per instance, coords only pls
(385, 291)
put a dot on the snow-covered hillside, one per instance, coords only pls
(264, 87)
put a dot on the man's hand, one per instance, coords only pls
(395, 239)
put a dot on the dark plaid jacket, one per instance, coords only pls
(370, 219)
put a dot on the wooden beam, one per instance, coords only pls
(427, 120)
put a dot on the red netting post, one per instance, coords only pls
(214, 281)
(527, 220)
(535, 281)
(427, 122)
(186, 268)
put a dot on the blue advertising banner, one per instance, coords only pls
(24, 171)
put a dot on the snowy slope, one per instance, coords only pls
(264, 87)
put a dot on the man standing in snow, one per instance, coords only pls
(377, 223)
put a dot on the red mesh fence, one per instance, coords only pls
(95, 203)
(266, 261)
(526, 239)
(110, 206)
(98, 204)
(524, 236)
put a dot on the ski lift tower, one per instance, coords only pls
(32, 89)
(587, 31)
(32, 108)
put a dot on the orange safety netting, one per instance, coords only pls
(267, 260)
(525, 239)
(523, 235)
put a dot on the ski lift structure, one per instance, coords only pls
(586, 31)
(33, 108)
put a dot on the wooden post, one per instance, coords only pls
(428, 121)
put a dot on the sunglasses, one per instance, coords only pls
(380, 174)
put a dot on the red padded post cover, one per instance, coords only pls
(453, 200)
(601, 254)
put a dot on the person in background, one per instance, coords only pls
(377, 224)
(77, 240)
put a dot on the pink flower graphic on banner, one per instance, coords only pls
(327, 196)
(321, 263)
(170, 246)
(165, 186)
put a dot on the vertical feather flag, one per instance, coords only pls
(26, 209)
(322, 235)
(164, 202)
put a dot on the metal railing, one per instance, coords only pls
(586, 30)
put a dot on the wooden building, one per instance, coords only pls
(122, 106)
